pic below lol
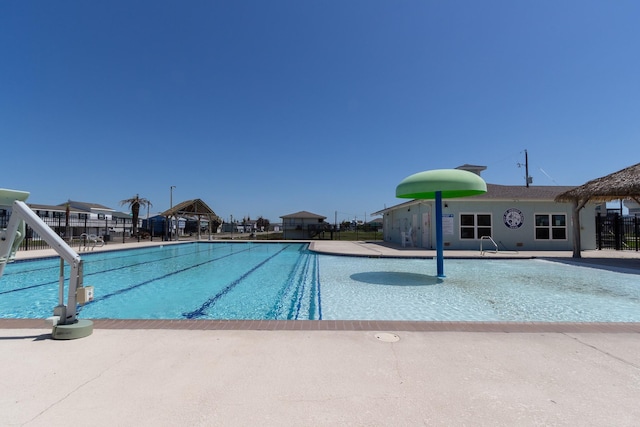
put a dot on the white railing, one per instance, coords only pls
(483, 238)
(10, 240)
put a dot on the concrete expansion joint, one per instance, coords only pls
(606, 353)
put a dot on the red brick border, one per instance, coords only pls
(342, 325)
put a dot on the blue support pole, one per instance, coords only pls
(439, 242)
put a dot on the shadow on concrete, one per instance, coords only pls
(41, 337)
(618, 265)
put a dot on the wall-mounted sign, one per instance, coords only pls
(447, 224)
(513, 218)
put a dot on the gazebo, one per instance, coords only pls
(194, 208)
(624, 184)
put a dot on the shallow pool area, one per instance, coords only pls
(230, 280)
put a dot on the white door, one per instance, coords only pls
(426, 229)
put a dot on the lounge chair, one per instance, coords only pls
(96, 240)
(406, 238)
(90, 241)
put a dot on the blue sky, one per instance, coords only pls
(265, 108)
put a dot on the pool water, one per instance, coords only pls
(287, 281)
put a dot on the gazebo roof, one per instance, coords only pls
(303, 215)
(624, 184)
(190, 207)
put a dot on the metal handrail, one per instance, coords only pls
(492, 241)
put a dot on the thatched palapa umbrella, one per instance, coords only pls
(624, 184)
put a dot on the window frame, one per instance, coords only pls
(550, 227)
(475, 226)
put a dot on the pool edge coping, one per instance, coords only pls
(344, 325)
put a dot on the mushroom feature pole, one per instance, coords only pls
(438, 184)
(439, 237)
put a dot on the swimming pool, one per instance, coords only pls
(286, 281)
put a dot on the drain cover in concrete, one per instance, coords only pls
(387, 337)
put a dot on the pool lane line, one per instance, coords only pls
(151, 261)
(312, 260)
(299, 278)
(296, 301)
(156, 260)
(173, 273)
(53, 282)
(211, 301)
(128, 253)
(317, 283)
(10, 291)
(315, 289)
(33, 270)
(88, 261)
(277, 308)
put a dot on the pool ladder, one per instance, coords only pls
(482, 251)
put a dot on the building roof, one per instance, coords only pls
(53, 208)
(546, 193)
(85, 206)
(521, 192)
(195, 207)
(303, 215)
(477, 169)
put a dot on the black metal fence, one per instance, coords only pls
(613, 231)
(618, 232)
(109, 229)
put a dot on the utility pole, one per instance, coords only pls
(527, 178)
(526, 167)
(171, 213)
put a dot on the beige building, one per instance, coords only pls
(507, 217)
(302, 225)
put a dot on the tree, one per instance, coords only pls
(262, 224)
(214, 223)
(135, 203)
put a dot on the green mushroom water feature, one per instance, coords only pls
(438, 184)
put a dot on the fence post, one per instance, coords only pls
(616, 232)
(599, 230)
(635, 226)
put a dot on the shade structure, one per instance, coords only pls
(620, 185)
(438, 184)
(623, 184)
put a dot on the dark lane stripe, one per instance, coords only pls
(201, 311)
(300, 290)
(319, 293)
(95, 272)
(173, 273)
(279, 299)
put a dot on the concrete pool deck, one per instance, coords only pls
(326, 373)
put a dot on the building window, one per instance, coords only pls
(474, 226)
(551, 227)
(100, 216)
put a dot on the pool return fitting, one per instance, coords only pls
(66, 325)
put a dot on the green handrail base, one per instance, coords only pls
(80, 329)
